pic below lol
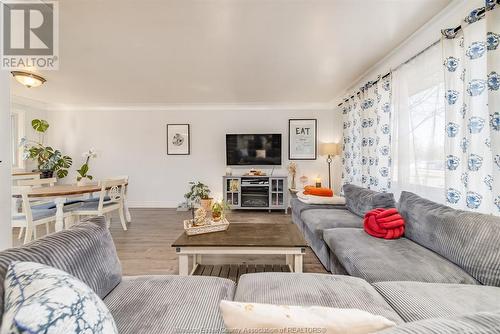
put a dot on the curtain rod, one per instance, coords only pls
(397, 67)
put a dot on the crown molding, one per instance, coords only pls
(23, 101)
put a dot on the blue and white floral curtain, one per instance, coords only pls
(367, 136)
(472, 90)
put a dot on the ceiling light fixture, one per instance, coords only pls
(28, 79)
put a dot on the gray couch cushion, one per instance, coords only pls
(319, 247)
(470, 240)
(335, 266)
(86, 251)
(378, 260)
(317, 220)
(313, 289)
(417, 301)
(361, 200)
(298, 206)
(169, 304)
(477, 323)
(322, 219)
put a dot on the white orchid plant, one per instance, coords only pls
(83, 172)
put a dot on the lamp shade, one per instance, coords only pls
(329, 149)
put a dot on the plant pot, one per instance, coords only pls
(206, 203)
(46, 174)
(81, 183)
(216, 216)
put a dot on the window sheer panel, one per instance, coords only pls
(418, 125)
(14, 121)
(17, 119)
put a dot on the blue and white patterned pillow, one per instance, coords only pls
(42, 299)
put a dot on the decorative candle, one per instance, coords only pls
(318, 182)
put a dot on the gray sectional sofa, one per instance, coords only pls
(165, 304)
(446, 265)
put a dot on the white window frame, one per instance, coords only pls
(18, 163)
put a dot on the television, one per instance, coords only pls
(253, 149)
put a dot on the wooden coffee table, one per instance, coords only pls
(244, 239)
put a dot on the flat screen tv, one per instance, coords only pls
(253, 149)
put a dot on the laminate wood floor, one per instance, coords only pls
(146, 247)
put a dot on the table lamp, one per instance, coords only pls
(330, 150)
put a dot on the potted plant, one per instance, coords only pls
(219, 210)
(199, 193)
(49, 160)
(84, 170)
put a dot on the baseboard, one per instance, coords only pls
(153, 204)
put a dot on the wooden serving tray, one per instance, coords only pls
(210, 227)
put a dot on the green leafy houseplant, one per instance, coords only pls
(199, 193)
(49, 160)
(83, 171)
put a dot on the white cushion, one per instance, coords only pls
(307, 319)
(311, 199)
(42, 299)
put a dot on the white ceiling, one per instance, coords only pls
(129, 52)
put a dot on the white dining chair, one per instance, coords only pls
(37, 183)
(128, 217)
(29, 176)
(111, 198)
(29, 219)
(37, 204)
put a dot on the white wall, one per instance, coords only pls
(133, 142)
(5, 165)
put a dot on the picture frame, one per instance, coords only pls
(303, 139)
(178, 139)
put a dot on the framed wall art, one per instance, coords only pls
(302, 139)
(178, 139)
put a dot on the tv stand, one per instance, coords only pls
(256, 192)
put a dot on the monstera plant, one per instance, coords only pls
(50, 161)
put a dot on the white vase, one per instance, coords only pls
(81, 183)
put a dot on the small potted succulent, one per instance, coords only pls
(199, 193)
(219, 210)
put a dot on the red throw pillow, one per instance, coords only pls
(384, 223)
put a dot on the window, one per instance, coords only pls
(17, 133)
(418, 123)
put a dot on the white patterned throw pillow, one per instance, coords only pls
(42, 299)
(267, 318)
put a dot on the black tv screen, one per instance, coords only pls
(253, 149)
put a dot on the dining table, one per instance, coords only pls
(60, 194)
